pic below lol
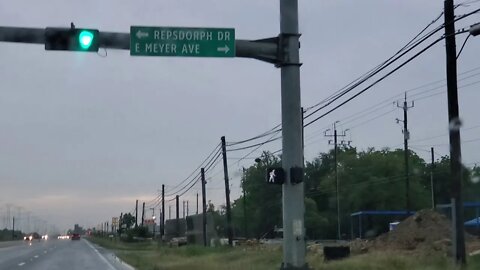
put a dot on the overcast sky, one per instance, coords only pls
(82, 136)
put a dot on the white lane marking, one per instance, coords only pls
(100, 255)
(36, 256)
(21, 264)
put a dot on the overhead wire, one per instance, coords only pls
(213, 153)
(378, 67)
(389, 62)
(374, 83)
(357, 81)
(407, 48)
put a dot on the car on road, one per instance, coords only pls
(75, 236)
(32, 236)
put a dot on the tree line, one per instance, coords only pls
(368, 180)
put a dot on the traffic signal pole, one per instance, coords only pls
(293, 195)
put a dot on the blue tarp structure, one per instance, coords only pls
(360, 214)
(473, 222)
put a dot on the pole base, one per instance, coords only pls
(291, 267)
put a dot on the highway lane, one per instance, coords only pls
(56, 254)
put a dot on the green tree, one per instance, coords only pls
(264, 206)
(128, 220)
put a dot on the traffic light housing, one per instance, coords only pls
(71, 39)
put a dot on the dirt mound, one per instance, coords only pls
(426, 230)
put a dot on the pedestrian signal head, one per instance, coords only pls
(275, 176)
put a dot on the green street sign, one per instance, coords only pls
(182, 41)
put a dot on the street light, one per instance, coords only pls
(154, 224)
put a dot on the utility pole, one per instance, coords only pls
(177, 220)
(169, 212)
(244, 204)
(197, 203)
(120, 224)
(183, 213)
(13, 228)
(454, 127)
(143, 213)
(227, 192)
(335, 136)
(432, 168)
(136, 213)
(204, 207)
(162, 218)
(406, 137)
(187, 208)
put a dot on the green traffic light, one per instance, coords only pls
(85, 39)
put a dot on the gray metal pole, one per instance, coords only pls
(227, 193)
(294, 247)
(454, 127)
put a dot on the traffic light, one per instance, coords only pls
(71, 39)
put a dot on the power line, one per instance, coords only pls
(255, 145)
(275, 129)
(374, 83)
(377, 71)
(387, 102)
(378, 68)
(215, 151)
(356, 82)
(371, 119)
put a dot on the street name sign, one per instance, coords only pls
(182, 41)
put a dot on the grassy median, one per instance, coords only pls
(149, 256)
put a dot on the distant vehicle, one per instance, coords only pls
(32, 236)
(75, 236)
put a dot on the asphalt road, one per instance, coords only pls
(56, 254)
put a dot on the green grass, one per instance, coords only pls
(149, 256)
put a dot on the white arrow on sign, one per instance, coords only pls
(141, 34)
(225, 49)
